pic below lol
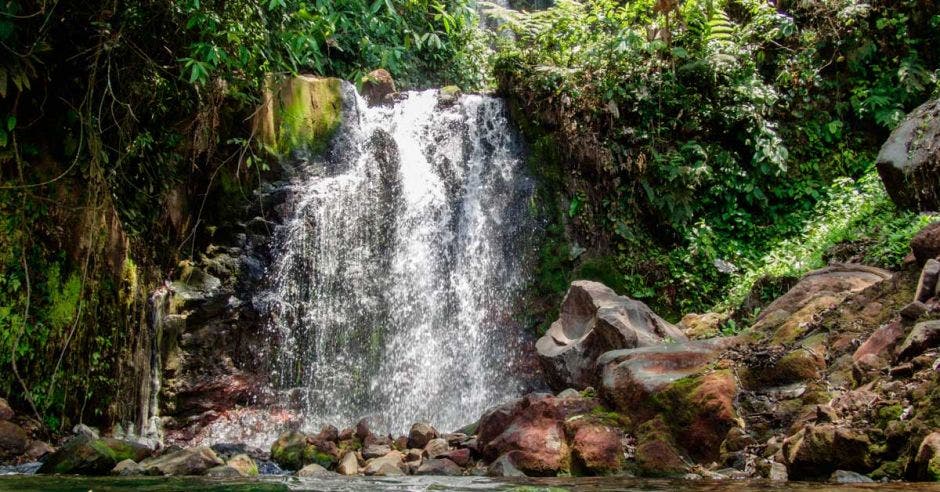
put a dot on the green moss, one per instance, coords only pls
(314, 455)
(888, 414)
(311, 114)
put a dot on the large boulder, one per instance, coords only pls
(302, 112)
(442, 466)
(816, 451)
(594, 320)
(596, 447)
(926, 464)
(678, 382)
(926, 243)
(184, 462)
(533, 426)
(909, 161)
(13, 439)
(923, 336)
(420, 434)
(83, 455)
(786, 319)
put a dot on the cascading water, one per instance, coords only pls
(398, 270)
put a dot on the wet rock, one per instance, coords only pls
(400, 443)
(789, 316)
(777, 472)
(82, 455)
(244, 464)
(223, 471)
(656, 452)
(347, 434)
(441, 466)
(388, 470)
(926, 243)
(377, 86)
(313, 470)
(503, 466)
(596, 447)
(348, 465)
(926, 463)
(38, 449)
(594, 320)
(13, 439)
(816, 451)
(420, 434)
(534, 426)
(459, 456)
(362, 430)
(908, 160)
(6, 412)
(448, 95)
(456, 438)
(127, 468)
(436, 448)
(393, 458)
(844, 476)
(288, 450)
(184, 462)
(923, 336)
(414, 455)
(328, 433)
(375, 451)
(927, 284)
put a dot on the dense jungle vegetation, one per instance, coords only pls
(687, 150)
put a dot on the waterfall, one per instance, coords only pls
(399, 267)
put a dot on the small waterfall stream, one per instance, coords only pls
(394, 290)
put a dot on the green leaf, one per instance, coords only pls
(11, 122)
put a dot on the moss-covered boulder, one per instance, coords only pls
(245, 466)
(289, 449)
(83, 455)
(377, 87)
(183, 462)
(816, 451)
(656, 452)
(926, 464)
(301, 113)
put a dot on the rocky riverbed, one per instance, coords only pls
(837, 380)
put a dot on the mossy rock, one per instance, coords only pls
(313, 455)
(87, 456)
(302, 114)
(289, 449)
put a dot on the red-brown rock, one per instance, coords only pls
(377, 86)
(6, 413)
(596, 447)
(882, 342)
(926, 244)
(13, 439)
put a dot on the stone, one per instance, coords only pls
(400, 443)
(777, 472)
(503, 466)
(348, 465)
(594, 320)
(926, 243)
(328, 433)
(377, 86)
(244, 464)
(6, 412)
(388, 470)
(38, 449)
(844, 476)
(816, 451)
(702, 325)
(436, 448)
(223, 471)
(456, 438)
(882, 342)
(313, 470)
(596, 447)
(656, 453)
(362, 430)
(420, 434)
(927, 284)
(375, 451)
(82, 455)
(347, 434)
(534, 426)
(441, 466)
(923, 336)
(303, 112)
(13, 439)
(393, 458)
(788, 317)
(183, 462)
(127, 468)
(914, 310)
(910, 157)
(926, 463)
(448, 95)
(84, 430)
(569, 393)
(459, 456)
(288, 450)
(414, 455)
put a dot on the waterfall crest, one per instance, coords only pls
(398, 269)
